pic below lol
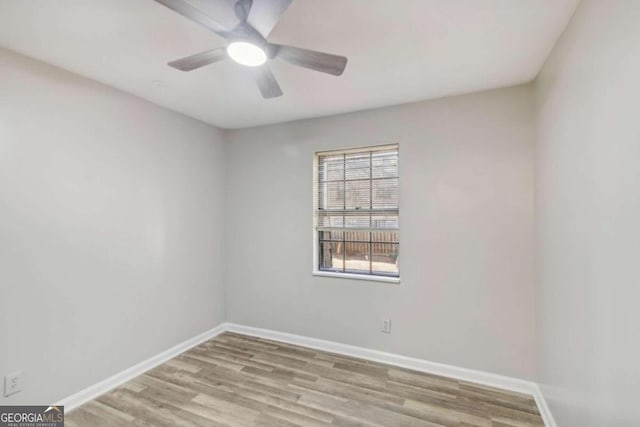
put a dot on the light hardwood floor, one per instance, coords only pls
(236, 380)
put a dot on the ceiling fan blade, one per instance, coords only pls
(318, 61)
(265, 14)
(190, 12)
(199, 60)
(267, 83)
(242, 8)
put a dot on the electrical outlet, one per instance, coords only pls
(386, 326)
(12, 383)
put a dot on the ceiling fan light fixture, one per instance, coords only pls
(246, 53)
(248, 40)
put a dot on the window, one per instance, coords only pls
(357, 213)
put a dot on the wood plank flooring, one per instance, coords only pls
(236, 380)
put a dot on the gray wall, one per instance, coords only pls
(111, 224)
(466, 200)
(588, 213)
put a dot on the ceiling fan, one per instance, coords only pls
(246, 24)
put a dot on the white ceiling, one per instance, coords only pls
(399, 51)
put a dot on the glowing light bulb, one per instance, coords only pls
(246, 53)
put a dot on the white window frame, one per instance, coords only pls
(316, 250)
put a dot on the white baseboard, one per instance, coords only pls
(486, 378)
(464, 374)
(89, 393)
(544, 409)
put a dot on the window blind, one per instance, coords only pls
(357, 215)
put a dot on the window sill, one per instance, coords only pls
(356, 277)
